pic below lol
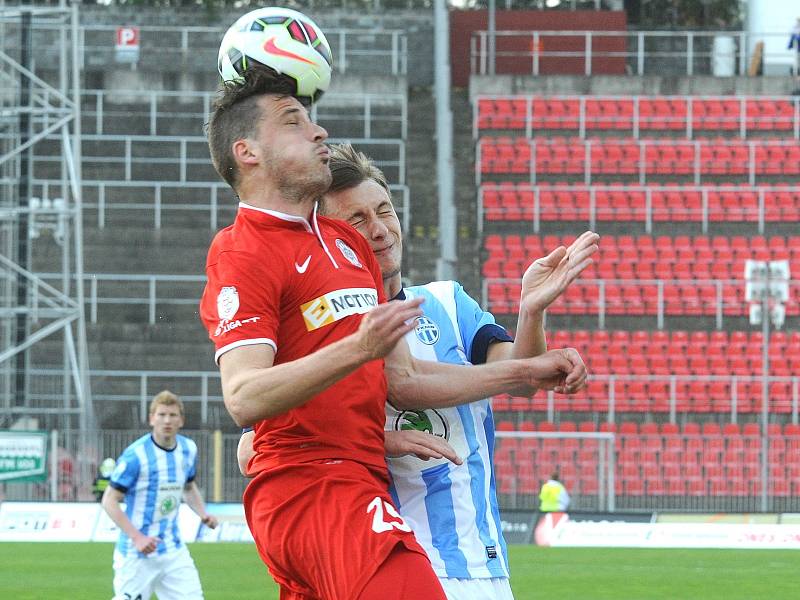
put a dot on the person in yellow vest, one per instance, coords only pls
(553, 495)
(104, 472)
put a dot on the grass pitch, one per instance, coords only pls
(233, 571)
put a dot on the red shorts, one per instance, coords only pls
(323, 528)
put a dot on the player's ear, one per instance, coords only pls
(245, 151)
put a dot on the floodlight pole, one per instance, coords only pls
(448, 216)
(766, 281)
(765, 319)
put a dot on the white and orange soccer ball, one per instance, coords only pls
(283, 39)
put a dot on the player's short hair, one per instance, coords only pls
(237, 114)
(165, 398)
(350, 168)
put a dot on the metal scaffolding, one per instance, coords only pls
(42, 327)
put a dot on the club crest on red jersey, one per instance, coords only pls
(348, 253)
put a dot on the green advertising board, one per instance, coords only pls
(23, 456)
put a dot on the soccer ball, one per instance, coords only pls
(283, 39)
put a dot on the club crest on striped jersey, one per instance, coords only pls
(426, 331)
(348, 253)
(430, 421)
(227, 303)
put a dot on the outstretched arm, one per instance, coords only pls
(417, 384)
(543, 282)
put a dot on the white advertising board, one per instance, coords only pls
(85, 522)
(47, 521)
(564, 532)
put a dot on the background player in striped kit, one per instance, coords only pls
(450, 505)
(152, 475)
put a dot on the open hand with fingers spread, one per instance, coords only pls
(547, 277)
(384, 326)
(562, 371)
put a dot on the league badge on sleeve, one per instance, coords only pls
(227, 303)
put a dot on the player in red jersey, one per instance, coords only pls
(296, 310)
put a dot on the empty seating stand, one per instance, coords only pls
(747, 161)
(659, 372)
(682, 275)
(653, 459)
(511, 201)
(744, 116)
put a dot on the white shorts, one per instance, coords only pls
(171, 576)
(495, 588)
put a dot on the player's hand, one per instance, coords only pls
(421, 444)
(547, 277)
(146, 544)
(562, 371)
(210, 521)
(384, 326)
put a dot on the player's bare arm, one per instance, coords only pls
(543, 282)
(416, 384)
(254, 388)
(421, 444)
(145, 544)
(192, 497)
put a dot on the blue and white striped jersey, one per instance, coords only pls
(152, 480)
(452, 509)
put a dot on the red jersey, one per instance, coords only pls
(277, 279)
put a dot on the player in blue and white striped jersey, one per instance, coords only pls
(451, 507)
(152, 475)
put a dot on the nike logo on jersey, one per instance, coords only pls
(271, 48)
(302, 268)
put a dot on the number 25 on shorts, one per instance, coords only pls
(379, 522)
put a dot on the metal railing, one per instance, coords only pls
(649, 204)
(185, 158)
(670, 395)
(163, 201)
(634, 52)
(150, 292)
(74, 450)
(693, 160)
(657, 298)
(602, 470)
(689, 115)
(194, 48)
(161, 112)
